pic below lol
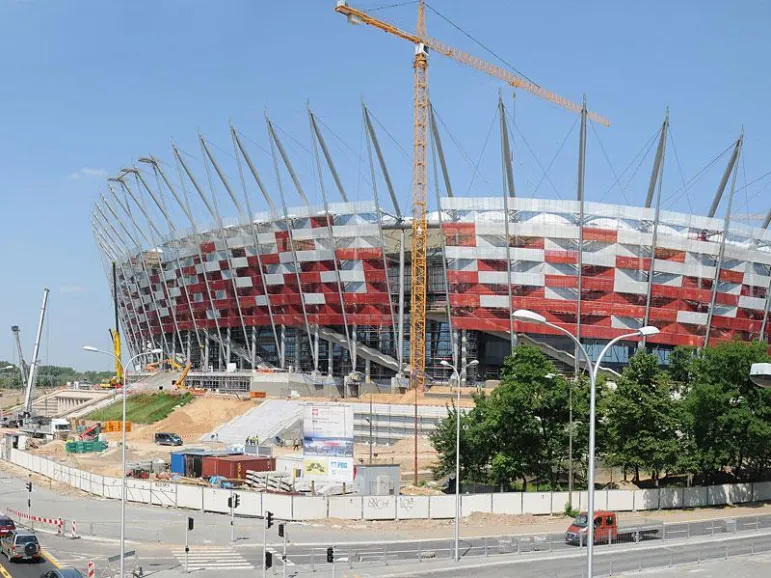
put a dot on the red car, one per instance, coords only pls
(6, 525)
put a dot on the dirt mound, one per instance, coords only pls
(201, 416)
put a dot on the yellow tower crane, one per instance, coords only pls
(423, 43)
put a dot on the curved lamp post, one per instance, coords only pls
(123, 441)
(760, 374)
(647, 331)
(456, 375)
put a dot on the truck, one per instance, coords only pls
(609, 530)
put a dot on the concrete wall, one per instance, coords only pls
(286, 507)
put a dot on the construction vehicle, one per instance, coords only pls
(170, 361)
(39, 426)
(22, 364)
(91, 433)
(180, 383)
(423, 43)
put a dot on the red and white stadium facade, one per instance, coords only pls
(324, 292)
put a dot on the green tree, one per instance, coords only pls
(730, 417)
(474, 449)
(519, 431)
(642, 419)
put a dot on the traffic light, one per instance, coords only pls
(190, 523)
(268, 559)
(331, 554)
(281, 530)
(29, 486)
(236, 500)
(269, 520)
(230, 502)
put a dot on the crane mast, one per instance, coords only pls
(419, 218)
(35, 358)
(423, 43)
(22, 364)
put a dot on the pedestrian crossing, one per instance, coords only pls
(212, 558)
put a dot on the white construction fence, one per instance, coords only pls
(300, 508)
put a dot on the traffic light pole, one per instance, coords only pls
(29, 501)
(232, 521)
(187, 545)
(264, 547)
(283, 559)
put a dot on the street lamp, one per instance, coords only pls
(646, 331)
(760, 374)
(123, 441)
(456, 375)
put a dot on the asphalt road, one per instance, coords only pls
(26, 569)
(622, 559)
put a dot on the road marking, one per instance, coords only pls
(4, 572)
(48, 556)
(220, 558)
(277, 554)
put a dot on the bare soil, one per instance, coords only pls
(191, 421)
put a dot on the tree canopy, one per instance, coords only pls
(699, 414)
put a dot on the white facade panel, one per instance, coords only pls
(239, 262)
(747, 302)
(496, 277)
(629, 286)
(532, 279)
(328, 277)
(353, 276)
(243, 282)
(494, 301)
(273, 279)
(522, 254)
(664, 266)
(261, 301)
(314, 298)
(692, 317)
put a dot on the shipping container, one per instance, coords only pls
(235, 467)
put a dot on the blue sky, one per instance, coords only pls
(89, 86)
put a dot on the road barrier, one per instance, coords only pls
(400, 507)
(91, 570)
(57, 523)
(74, 529)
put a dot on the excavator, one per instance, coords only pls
(180, 383)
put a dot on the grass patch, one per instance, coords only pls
(143, 408)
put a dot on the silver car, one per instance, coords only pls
(20, 545)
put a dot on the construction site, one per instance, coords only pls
(271, 305)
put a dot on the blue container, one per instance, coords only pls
(177, 465)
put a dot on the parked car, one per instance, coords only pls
(63, 573)
(20, 545)
(6, 525)
(168, 439)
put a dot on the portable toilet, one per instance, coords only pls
(177, 463)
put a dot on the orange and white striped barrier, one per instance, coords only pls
(91, 570)
(74, 529)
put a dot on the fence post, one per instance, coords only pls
(485, 546)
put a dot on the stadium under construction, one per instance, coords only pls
(327, 289)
